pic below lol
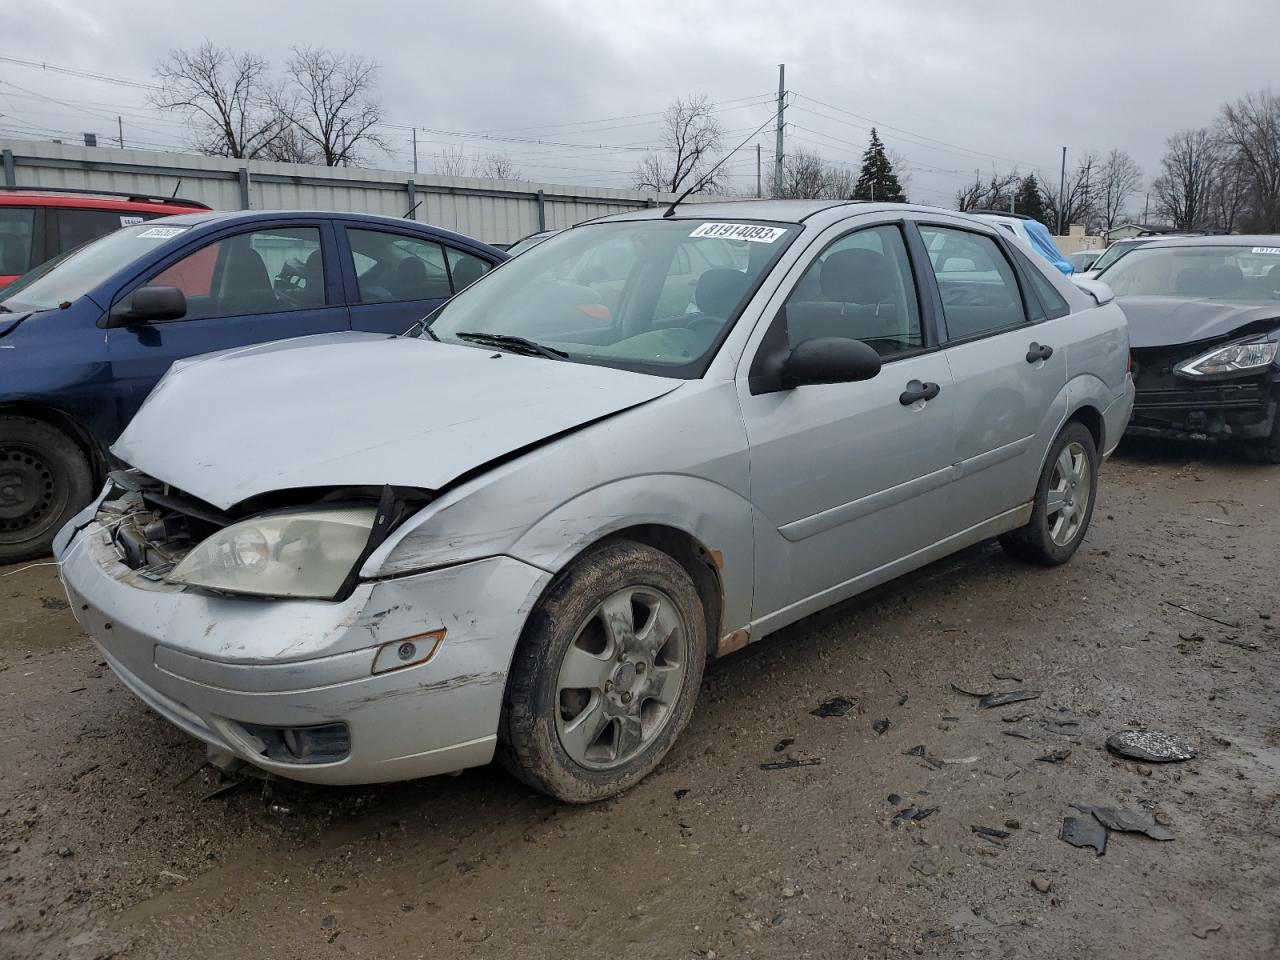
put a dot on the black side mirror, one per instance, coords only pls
(149, 305)
(829, 360)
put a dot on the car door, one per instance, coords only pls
(395, 278)
(1008, 366)
(847, 478)
(267, 283)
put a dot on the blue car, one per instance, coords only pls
(85, 337)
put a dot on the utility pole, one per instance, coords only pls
(759, 194)
(415, 149)
(120, 128)
(1062, 190)
(1146, 207)
(782, 104)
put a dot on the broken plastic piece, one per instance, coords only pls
(835, 707)
(1084, 832)
(1055, 756)
(1008, 696)
(788, 764)
(991, 832)
(920, 751)
(1126, 821)
(1150, 746)
(880, 726)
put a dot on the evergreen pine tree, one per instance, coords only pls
(877, 181)
(1029, 201)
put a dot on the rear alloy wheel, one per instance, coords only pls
(44, 481)
(606, 674)
(1063, 502)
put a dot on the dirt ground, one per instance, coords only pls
(109, 845)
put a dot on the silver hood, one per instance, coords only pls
(1168, 321)
(355, 409)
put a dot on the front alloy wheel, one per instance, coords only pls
(605, 675)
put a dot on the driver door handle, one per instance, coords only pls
(917, 391)
(1037, 352)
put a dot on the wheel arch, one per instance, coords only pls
(65, 423)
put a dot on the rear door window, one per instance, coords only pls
(465, 268)
(80, 226)
(17, 227)
(393, 267)
(980, 293)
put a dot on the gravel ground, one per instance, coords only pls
(109, 845)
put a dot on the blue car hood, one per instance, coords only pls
(360, 409)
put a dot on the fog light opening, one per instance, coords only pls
(407, 651)
(324, 743)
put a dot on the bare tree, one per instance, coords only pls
(691, 134)
(1078, 201)
(452, 162)
(1187, 170)
(901, 168)
(994, 194)
(290, 146)
(1229, 192)
(329, 99)
(497, 166)
(808, 176)
(226, 97)
(1119, 177)
(1250, 128)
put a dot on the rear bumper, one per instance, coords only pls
(213, 665)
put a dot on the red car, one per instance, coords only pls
(38, 223)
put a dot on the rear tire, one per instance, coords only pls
(1059, 521)
(602, 683)
(45, 479)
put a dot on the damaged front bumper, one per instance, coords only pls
(257, 678)
(1175, 407)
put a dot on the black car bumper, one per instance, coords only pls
(1171, 406)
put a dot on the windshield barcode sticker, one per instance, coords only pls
(160, 233)
(739, 231)
(1266, 249)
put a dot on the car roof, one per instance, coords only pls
(1219, 240)
(786, 211)
(231, 217)
(81, 201)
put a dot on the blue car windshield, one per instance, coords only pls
(653, 296)
(69, 277)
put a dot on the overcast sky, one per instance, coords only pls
(997, 83)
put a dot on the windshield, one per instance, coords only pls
(528, 243)
(654, 296)
(72, 275)
(1082, 259)
(1114, 253)
(1219, 272)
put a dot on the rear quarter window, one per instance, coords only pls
(17, 224)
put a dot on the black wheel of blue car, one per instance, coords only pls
(605, 675)
(44, 480)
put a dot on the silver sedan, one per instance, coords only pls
(524, 528)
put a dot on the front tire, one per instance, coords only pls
(45, 479)
(1063, 504)
(605, 675)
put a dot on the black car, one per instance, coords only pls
(1204, 327)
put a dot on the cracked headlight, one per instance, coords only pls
(299, 554)
(1233, 358)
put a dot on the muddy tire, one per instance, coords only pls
(1059, 518)
(45, 479)
(605, 675)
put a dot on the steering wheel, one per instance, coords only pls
(704, 324)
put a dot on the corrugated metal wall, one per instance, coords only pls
(496, 211)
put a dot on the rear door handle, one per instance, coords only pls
(917, 391)
(1038, 352)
